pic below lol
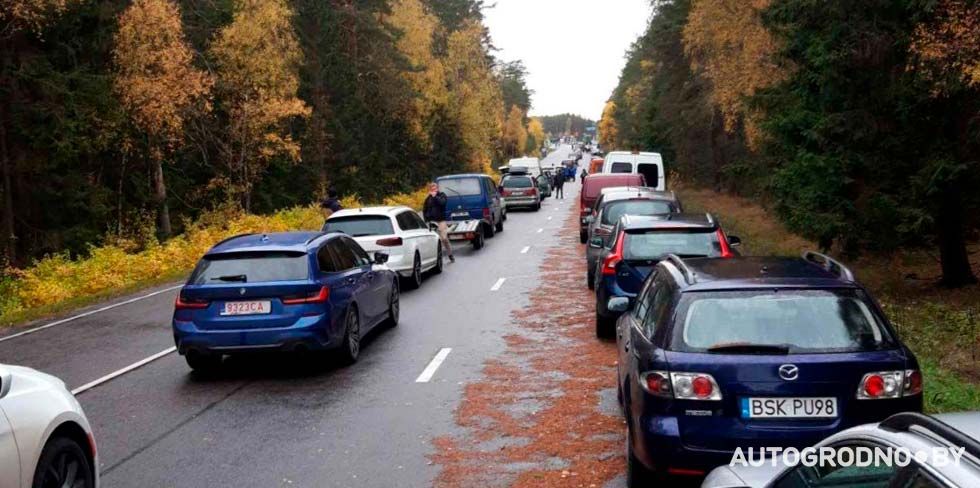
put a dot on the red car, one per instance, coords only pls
(591, 188)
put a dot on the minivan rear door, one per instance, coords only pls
(464, 194)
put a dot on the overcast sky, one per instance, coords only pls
(555, 37)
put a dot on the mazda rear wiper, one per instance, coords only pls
(747, 348)
(242, 278)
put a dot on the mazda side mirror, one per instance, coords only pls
(734, 241)
(618, 304)
(380, 258)
(596, 243)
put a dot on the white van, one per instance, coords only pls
(649, 164)
(533, 165)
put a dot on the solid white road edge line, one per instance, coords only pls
(525, 250)
(118, 373)
(496, 286)
(430, 370)
(90, 312)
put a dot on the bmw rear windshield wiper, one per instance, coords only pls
(242, 278)
(748, 348)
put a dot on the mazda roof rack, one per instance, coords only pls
(830, 264)
(904, 421)
(689, 276)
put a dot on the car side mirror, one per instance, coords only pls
(618, 304)
(6, 377)
(380, 257)
(734, 241)
(596, 242)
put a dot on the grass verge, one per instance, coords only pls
(941, 326)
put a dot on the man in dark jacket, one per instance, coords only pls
(560, 184)
(434, 210)
(331, 204)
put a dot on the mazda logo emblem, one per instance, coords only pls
(789, 372)
(241, 291)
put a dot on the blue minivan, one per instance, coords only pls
(721, 354)
(474, 196)
(290, 291)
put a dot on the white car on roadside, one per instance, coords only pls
(45, 439)
(399, 231)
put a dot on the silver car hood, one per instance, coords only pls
(742, 476)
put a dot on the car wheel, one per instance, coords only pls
(590, 278)
(537, 206)
(63, 462)
(604, 326)
(500, 226)
(350, 347)
(478, 240)
(415, 280)
(489, 231)
(637, 475)
(203, 362)
(503, 215)
(582, 236)
(438, 268)
(394, 305)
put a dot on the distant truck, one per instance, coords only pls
(648, 164)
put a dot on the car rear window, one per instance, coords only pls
(517, 182)
(804, 321)
(456, 187)
(251, 267)
(654, 244)
(621, 168)
(360, 225)
(615, 210)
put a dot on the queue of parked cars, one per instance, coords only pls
(719, 352)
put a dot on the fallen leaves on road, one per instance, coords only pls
(544, 413)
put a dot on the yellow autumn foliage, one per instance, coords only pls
(608, 130)
(417, 27)
(112, 267)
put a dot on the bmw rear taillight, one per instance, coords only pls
(612, 260)
(183, 303)
(389, 241)
(694, 386)
(656, 383)
(890, 384)
(486, 213)
(315, 297)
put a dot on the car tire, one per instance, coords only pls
(500, 226)
(604, 326)
(414, 281)
(590, 277)
(637, 475)
(394, 306)
(478, 240)
(583, 237)
(438, 268)
(537, 206)
(350, 345)
(488, 230)
(503, 215)
(203, 362)
(63, 462)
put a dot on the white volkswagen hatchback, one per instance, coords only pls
(45, 439)
(400, 232)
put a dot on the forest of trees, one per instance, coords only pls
(565, 124)
(120, 118)
(857, 122)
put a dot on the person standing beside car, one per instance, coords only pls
(434, 210)
(560, 185)
(331, 204)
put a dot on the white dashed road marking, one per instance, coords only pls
(430, 370)
(525, 250)
(496, 286)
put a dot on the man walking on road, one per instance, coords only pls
(560, 184)
(434, 210)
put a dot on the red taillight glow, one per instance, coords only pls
(874, 386)
(612, 260)
(702, 387)
(189, 304)
(695, 386)
(726, 250)
(913, 382)
(486, 213)
(656, 383)
(881, 384)
(317, 297)
(389, 242)
(505, 193)
(685, 472)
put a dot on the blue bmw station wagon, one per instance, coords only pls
(293, 291)
(719, 354)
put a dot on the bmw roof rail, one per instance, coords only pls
(233, 238)
(830, 264)
(904, 421)
(689, 276)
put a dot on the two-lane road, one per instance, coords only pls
(267, 421)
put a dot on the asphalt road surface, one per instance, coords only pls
(269, 421)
